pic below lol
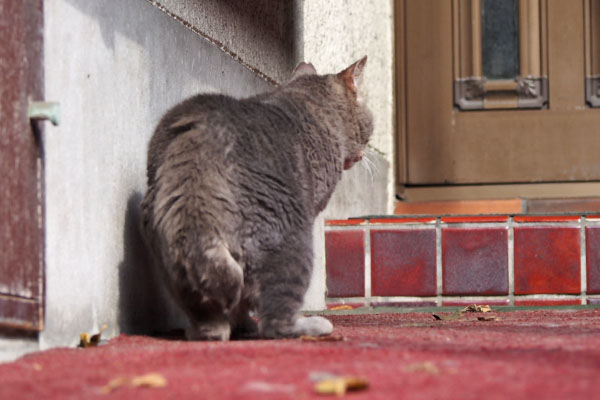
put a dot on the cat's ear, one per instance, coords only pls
(303, 69)
(353, 74)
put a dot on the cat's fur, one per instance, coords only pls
(234, 187)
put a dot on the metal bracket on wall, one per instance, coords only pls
(480, 93)
(44, 110)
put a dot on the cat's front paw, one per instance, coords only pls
(312, 326)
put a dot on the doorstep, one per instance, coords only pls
(499, 206)
(433, 261)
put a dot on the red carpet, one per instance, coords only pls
(546, 354)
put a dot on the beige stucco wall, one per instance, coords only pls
(333, 35)
(336, 33)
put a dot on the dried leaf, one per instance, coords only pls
(452, 316)
(114, 384)
(87, 340)
(339, 386)
(342, 307)
(488, 318)
(476, 308)
(329, 338)
(426, 366)
(149, 380)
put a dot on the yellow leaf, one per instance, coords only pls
(152, 380)
(329, 338)
(426, 366)
(339, 386)
(452, 316)
(149, 380)
(342, 307)
(85, 340)
(114, 384)
(476, 308)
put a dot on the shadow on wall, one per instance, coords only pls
(144, 306)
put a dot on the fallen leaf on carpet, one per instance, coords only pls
(268, 387)
(330, 338)
(476, 308)
(115, 384)
(151, 380)
(452, 316)
(426, 366)
(87, 340)
(488, 318)
(340, 385)
(342, 307)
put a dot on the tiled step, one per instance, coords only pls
(454, 207)
(520, 260)
(499, 206)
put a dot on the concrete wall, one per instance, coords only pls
(115, 68)
(259, 34)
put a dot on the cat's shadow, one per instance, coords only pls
(143, 306)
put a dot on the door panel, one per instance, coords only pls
(21, 214)
(445, 145)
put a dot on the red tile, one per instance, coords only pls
(546, 218)
(482, 302)
(475, 261)
(403, 262)
(475, 218)
(535, 303)
(593, 301)
(345, 222)
(345, 263)
(592, 252)
(401, 220)
(547, 260)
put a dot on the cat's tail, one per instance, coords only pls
(221, 276)
(196, 259)
(210, 290)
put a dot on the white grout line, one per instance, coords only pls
(474, 299)
(582, 249)
(438, 261)
(511, 262)
(367, 231)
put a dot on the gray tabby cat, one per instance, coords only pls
(234, 187)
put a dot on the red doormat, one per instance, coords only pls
(549, 354)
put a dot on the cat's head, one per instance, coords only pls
(344, 96)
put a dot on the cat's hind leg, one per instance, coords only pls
(284, 278)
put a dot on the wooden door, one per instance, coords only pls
(21, 210)
(461, 125)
